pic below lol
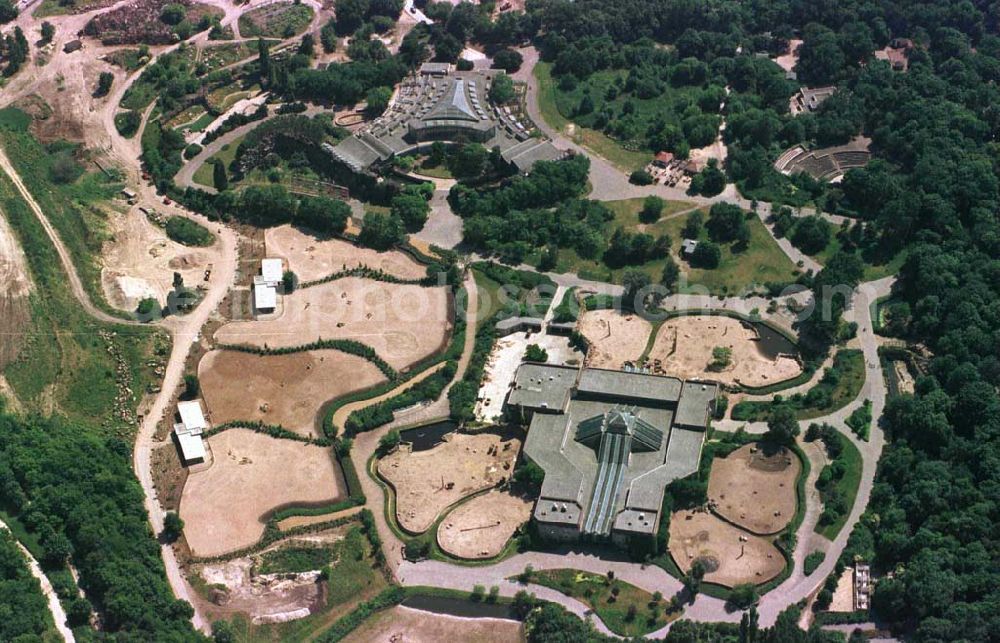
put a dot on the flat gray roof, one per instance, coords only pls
(629, 386)
(542, 386)
(694, 406)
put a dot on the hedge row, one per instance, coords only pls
(383, 412)
(368, 273)
(349, 346)
(273, 430)
(389, 597)
(271, 535)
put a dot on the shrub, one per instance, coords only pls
(188, 232)
(127, 123)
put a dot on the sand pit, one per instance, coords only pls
(625, 342)
(731, 555)
(403, 323)
(465, 463)
(281, 389)
(140, 261)
(754, 489)
(252, 473)
(683, 348)
(15, 313)
(404, 625)
(314, 258)
(481, 527)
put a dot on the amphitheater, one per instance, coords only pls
(828, 163)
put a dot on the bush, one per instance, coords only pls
(192, 151)
(127, 123)
(640, 177)
(536, 353)
(173, 527)
(812, 561)
(706, 255)
(188, 232)
(508, 60)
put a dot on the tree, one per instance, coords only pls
(308, 45)
(323, 214)
(222, 632)
(381, 231)
(811, 234)
(411, 208)
(468, 161)
(726, 222)
(350, 14)
(782, 427)
(508, 60)
(389, 441)
(743, 596)
(173, 14)
(264, 60)
(502, 91)
(692, 579)
(173, 526)
(529, 474)
(749, 626)
(8, 11)
(377, 100)
(641, 177)
(536, 353)
(288, 282)
(220, 179)
(147, 308)
(652, 209)
(48, 32)
(634, 281)
(192, 387)
(706, 255)
(266, 205)
(671, 273)
(693, 224)
(722, 356)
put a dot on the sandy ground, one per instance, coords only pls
(789, 60)
(904, 378)
(252, 474)
(314, 258)
(505, 358)
(140, 261)
(301, 521)
(15, 313)
(741, 557)
(403, 323)
(683, 348)
(754, 490)
(280, 389)
(465, 462)
(625, 343)
(482, 526)
(843, 598)
(404, 625)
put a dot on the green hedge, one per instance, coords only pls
(368, 273)
(349, 346)
(273, 430)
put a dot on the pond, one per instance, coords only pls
(427, 437)
(772, 343)
(459, 607)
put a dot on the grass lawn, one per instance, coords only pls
(276, 21)
(203, 175)
(596, 591)
(826, 397)
(599, 143)
(847, 486)
(436, 172)
(761, 262)
(65, 365)
(489, 292)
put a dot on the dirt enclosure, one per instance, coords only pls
(312, 258)
(428, 482)
(684, 346)
(251, 474)
(403, 323)
(481, 527)
(15, 313)
(731, 556)
(140, 261)
(614, 338)
(754, 488)
(404, 625)
(281, 389)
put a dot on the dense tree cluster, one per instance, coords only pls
(25, 611)
(77, 493)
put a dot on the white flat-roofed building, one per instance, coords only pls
(271, 271)
(265, 295)
(189, 430)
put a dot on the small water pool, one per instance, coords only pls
(427, 437)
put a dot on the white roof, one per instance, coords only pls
(264, 297)
(191, 415)
(270, 270)
(192, 446)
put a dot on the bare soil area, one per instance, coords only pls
(15, 312)
(481, 527)
(313, 257)
(140, 261)
(683, 348)
(252, 474)
(404, 625)
(428, 482)
(843, 597)
(615, 338)
(732, 556)
(403, 323)
(755, 489)
(302, 521)
(281, 389)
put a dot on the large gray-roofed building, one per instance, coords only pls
(440, 104)
(610, 450)
(695, 404)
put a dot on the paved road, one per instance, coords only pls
(55, 607)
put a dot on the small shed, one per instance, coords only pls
(663, 159)
(688, 247)
(270, 271)
(73, 45)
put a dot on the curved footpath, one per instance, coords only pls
(55, 607)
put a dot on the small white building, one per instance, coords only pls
(188, 432)
(265, 285)
(688, 247)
